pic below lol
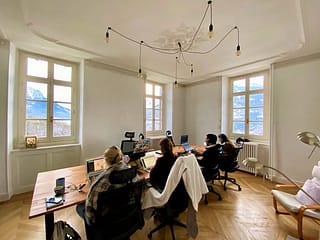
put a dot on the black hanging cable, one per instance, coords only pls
(210, 50)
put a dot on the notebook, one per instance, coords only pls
(148, 161)
(95, 166)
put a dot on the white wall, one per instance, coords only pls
(112, 104)
(203, 110)
(4, 60)
(178, 116)
(296, 98)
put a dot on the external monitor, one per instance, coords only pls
(128, 146)
(184, 139)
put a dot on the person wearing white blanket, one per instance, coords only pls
(187, 168)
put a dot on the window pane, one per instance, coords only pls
(61, 93)
(36, 91)
(238, 127)
(157, 90)
(256, 114)
(149, 125)
(157, 114)
(256, 128)
(157, 125)
(239, 101)
(61, 111)
(61, 128)
(239, 114)
(36, 127)
(149, 103)
(36, 110)
(256, 83)
(37, 68)
(149, 113)
(256, 100)
(62, 73)
(149, 89)
(157, 103)
(239, 85)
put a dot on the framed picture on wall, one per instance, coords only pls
(31, 141)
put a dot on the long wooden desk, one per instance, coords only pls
(44, 187)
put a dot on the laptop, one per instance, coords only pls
(184, 143)
(95, 166)
(148, 161)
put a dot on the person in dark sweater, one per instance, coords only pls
(210, 157)
(160, 172)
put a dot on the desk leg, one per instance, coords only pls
(49, 222)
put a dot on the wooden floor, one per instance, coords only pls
(246, 214)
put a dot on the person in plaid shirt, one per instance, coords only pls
(113, 157)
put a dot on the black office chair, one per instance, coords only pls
(211, 174)
(170, 137)
(177, 203)
(228, 164)
(119, 212)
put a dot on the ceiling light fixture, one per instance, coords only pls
(210, 33)
(180, 50)
(140, 71)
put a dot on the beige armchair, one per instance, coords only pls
(285, 195)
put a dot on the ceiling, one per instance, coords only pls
(270, 31)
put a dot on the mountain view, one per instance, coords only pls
(35, 108)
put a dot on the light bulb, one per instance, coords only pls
(210, 33)
(238, 52)
(107, 37)
(140, 75)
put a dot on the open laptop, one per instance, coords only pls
(184, 143)
(148, 161)
(95, 166)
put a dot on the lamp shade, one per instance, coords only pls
(309, 138)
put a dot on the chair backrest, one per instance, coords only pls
(119, 212)
(178, 201)
(230, 162)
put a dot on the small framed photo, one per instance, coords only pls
(31, 141)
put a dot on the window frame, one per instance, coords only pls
(23, 78)
(247, 92)
(162, 100)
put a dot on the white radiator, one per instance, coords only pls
(250, 149)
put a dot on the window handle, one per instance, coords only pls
(51, 119)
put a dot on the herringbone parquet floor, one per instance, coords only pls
(246, 214)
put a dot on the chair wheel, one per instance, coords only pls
(149, 235)
(220, 198)
(239, 188)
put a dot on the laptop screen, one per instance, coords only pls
(184, 139)
(95, 165)
(148, 161)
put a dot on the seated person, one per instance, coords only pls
(210, 157)
(226, 145)
(160, 172)
(113, 158)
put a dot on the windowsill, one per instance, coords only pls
(156, 137)
(43, 148)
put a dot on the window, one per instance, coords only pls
(249, 106)
(48, 100)
(154, 109)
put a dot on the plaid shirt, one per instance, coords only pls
(101, 184)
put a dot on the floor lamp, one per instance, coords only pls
(305, 137)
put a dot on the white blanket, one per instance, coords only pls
(188, 168)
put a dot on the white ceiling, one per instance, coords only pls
(270, 31)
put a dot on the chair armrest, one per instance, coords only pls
(306, 207)
(289, 187)
(281, 186)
